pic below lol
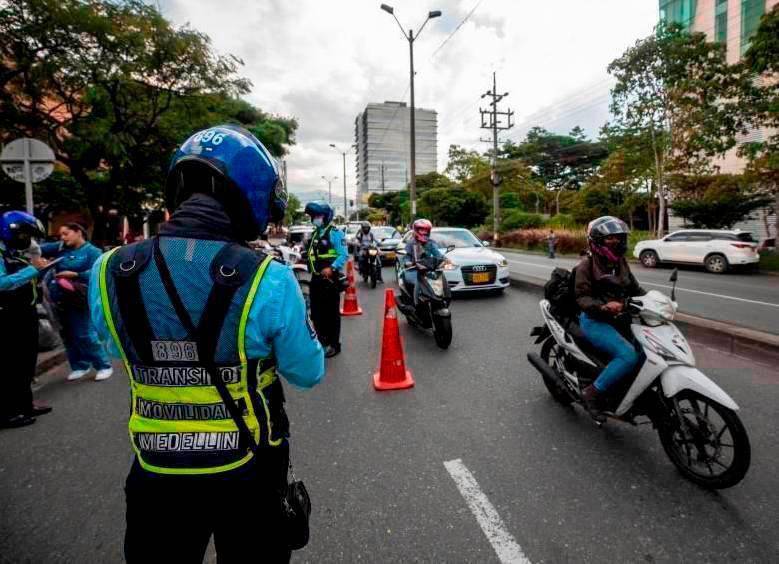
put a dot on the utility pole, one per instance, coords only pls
(493, 122)
(382, 177)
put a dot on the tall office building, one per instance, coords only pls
(382, 136)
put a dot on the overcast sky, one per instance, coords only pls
(322, 62)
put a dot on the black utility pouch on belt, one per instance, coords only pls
(296, 504)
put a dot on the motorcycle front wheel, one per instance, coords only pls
(374, 277)
(709, 445)
(442, 331)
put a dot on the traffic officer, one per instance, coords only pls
(327, 255)
(18, 319)
(205, 326)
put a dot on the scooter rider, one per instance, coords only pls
(365, 238)
(18, 319)
(603, 283)
(327, 255)
(205, 326)
(418, 247)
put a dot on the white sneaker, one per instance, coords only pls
(104, 374)
(77, 375)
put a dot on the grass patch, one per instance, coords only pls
(769, 261)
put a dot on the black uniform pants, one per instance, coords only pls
(325, 310)
(172, 518)
(18, 357)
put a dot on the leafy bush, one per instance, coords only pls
(568, 240)
(562, 221)
(516, 219)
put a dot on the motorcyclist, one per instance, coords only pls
(418, 247)
(365, 239)
(603, 283)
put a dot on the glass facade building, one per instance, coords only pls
(382, 136)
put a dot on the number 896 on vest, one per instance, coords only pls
(174, 351)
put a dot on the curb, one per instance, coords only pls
(734, 339)
(49, 359)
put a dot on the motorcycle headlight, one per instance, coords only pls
(373, 252)
(449, 265)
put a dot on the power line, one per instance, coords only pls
(465, 19)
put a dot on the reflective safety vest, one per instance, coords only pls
(180, 422)
(25, 295)
(321, 252)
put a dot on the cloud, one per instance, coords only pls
(322, 62)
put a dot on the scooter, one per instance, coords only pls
(370, 265)
(695, 419)
(430, 309)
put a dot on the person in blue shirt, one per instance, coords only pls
(327, 256)
(67, 288)
(205, 327)
(419, 246)
(18, 319)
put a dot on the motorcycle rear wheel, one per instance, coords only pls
(549, 352)
(442, 331)
(714, 439)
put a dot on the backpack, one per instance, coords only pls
(559, 292)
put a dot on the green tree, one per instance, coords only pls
(677, 89)
(113, 87)
(560, 162)
(715, 201)
(759, 103)
(453, 206)
(294, 212)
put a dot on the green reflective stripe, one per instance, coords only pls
(247, 306)
(314, 256)
(105, 302)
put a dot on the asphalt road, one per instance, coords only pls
(747, 299)
(561, 489)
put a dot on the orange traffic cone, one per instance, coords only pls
(392, 374)
(351, 306)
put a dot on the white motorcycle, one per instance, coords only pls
(695, 419)
(292, 256)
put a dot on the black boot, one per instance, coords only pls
(593, 403)
(20, 420)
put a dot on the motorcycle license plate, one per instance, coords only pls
(480, 278)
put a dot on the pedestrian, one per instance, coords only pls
(205, 326)
(19, 319)
(67, 289)
(551, 243)
(327, 255)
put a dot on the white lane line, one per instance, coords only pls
(724, 297)
(490, 522)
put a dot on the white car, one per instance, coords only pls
(715, 249)
(471, 265)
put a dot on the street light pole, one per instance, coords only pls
(329, 188)
(412, 110)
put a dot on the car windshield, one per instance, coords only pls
(382, 233)
(460, 238)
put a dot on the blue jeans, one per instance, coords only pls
(606, 338)
(82, 344)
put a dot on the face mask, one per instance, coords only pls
(317, 221)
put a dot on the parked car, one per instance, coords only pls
(716, 250)
(299, 234)
(471, 266)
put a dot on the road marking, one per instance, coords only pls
(487, 516)
(724, 297)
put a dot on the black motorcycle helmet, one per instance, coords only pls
(604, 227)
(365, 226)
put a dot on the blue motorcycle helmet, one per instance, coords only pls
(17, 228)
(230, 164)
(320, 207)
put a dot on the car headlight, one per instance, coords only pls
(449, 265)
(503, 262)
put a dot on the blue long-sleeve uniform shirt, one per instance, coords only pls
(13, 281)
(338, 242)
(278, 324)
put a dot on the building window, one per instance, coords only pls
(678, 11)
(721, 22)
(751, 12)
